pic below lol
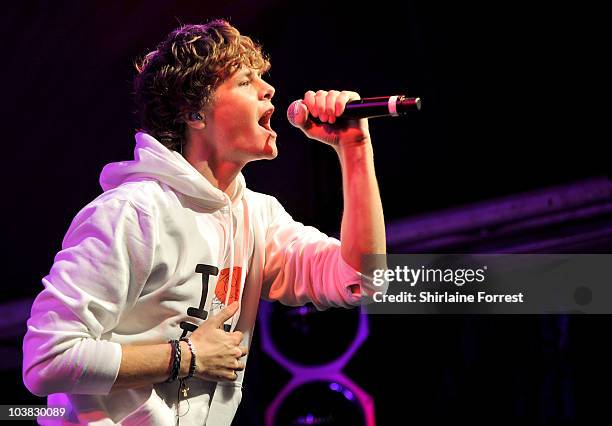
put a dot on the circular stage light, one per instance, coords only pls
(320, 403)
(312, 337)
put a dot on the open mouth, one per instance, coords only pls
(264, 121)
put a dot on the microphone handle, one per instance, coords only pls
(384, 106)
(381, 107)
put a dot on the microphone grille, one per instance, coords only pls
(292, 111)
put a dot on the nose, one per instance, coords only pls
(268, 91)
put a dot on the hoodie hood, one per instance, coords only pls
(152, 160)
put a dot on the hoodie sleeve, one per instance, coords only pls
(305, 265)
(105, 260)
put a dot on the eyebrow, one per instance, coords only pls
(249, 73)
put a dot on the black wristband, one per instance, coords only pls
(176, 361)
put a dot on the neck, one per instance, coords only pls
(220, 172)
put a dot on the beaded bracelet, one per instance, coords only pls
(192, 364)
(176, 361)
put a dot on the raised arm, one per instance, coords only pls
(363, 226)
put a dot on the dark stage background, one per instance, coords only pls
(513, 96)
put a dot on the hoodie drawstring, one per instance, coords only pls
(231, 259)
(246, 226)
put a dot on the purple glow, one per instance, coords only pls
(308, 420)
(330, 372)
(348, 394)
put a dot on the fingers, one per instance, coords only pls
(236, 337)
(232, 365)
(320, 105)
(235, 366)
(309, 101)
(330, 105)
(342, 99)
(240, 351)
(222, 353)
(232, 371)
(231, 375)
(327, 105)
(239, 366)
(224, 314)
(243, 350)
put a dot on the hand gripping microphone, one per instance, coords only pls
(383, 106)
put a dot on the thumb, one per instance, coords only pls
(224, 314)
(297, 114)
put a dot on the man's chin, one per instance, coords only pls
(270, 155)
(270, 150)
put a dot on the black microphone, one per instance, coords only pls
(382, 106)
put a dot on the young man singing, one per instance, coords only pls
(148, 311)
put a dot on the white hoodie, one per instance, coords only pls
(126, 274)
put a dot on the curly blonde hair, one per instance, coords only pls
(179, 77)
